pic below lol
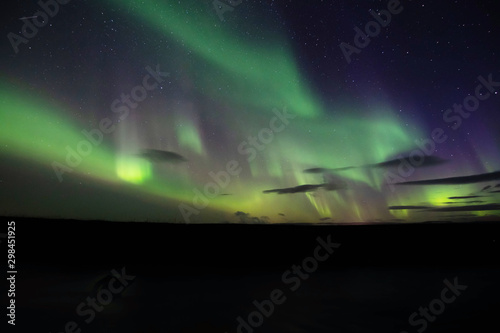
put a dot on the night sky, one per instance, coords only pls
(281, 112)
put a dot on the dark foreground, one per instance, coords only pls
(75, 276)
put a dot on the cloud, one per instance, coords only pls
(247, 218)
(160, 156)
(471, 208)
(484, 177)
(406, 207)
(464, 202)
(316, 170)
(323, 170)
(459, 216)
(427, 162)
(281, 214)
(296, 189)
(491, 189)
(468, 208)
(239, 213)
(466, 197)
(332, 183)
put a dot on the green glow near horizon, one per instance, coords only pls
(50, 132)
(133, 169)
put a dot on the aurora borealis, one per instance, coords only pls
(159, 111)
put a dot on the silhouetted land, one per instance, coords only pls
(200, 278)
